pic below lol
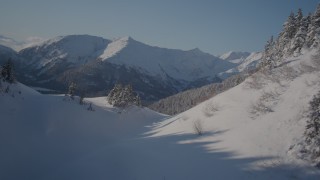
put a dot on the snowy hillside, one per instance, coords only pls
(252, 126)
(53, 137)
(247, 134)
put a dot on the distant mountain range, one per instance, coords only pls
(18, 45)
(95, 64)
(244, 61)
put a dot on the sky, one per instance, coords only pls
(214, 26)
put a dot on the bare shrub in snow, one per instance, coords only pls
(269, 96)
(81, 99)
(260, 108)
(198, 127)
(265, 103)
(288, 73)
(256, 81)
(210, 108)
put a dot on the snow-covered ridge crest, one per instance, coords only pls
(19, 45)
(50, 41)
(114, 47)
(234, 56)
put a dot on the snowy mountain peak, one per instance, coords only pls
(196, 50)
(115, 46)
(233, 55)
(74, 49)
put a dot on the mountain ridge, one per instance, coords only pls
(97, 63)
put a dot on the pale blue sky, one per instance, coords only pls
(214, 26)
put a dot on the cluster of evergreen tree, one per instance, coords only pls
(122, 96)
(298, 32)
(185, 100)
(7, 73)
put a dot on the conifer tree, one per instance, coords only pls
(72, 90)
(268, 56)
(290, 27)
(313, 126)
(114, 93)
(122, 96)
(7, 72)
(313, 29)
(298, 18)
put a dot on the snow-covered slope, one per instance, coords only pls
(251, 126)
(114, 47)
(181, 65)
(247, 133)
(53, 137)
(73, 49)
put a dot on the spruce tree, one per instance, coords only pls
(114, 94)
(268, 55)
(72, 90)
(313, 29)
(298, 18)
(290, 27)
(122, 96)
(7, 72)
(313, 127)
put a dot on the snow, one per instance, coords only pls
(260, 141)
(74, 49)
(242, 64)
(53, 137)
(155, 61)
(235, 57)
(253, 58)
(114, 47)
(17, 46)
(40, 89)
